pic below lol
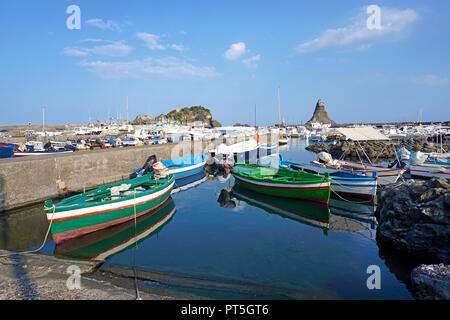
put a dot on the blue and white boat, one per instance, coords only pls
(185, 167)
(342, 182)
(183, 184)
(181, 168)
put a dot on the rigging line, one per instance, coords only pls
(364, 152)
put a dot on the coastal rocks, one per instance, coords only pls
(414, 217)
(320, 114)
(431, 282)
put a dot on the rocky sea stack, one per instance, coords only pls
(321, 115)
(414, 217)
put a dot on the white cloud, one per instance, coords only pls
(178, 47)
(104, 25)
(109, 48)
(146, 68)
(151, 40)
(252, 61)
(429, 80)
(235, 51)
(394, 25)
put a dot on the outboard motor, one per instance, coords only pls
(148, 167)
(47, 145)
(100, 143)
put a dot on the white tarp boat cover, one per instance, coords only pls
(115, 191)
(404, 154)
(325, 157)
(361, 134)
(418, 158)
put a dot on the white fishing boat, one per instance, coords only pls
(429, 165)
(429, 170)
(385, 175)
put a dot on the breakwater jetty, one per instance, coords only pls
(375, 150)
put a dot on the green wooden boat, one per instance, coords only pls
(104, 244)
(283, 182)
(106, 206)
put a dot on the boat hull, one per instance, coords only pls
(185, 167)
(103, 244)
(317, 192)
(69, 224)
(355, 186)
(385, 176)
(430, 171)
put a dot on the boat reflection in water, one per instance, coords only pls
(105, 243)
(363, 212)
(306, 212)
(189, 182)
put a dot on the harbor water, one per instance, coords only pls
(215, 240)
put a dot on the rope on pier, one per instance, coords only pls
(42, 245)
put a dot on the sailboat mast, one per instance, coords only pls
(279, 110)
(43, 119)
(255, 115)
(127, 109)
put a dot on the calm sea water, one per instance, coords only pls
(217, 242)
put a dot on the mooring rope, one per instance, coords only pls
(138, 297)
(42, 245)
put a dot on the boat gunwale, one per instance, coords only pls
(79, 201)
(305, 181)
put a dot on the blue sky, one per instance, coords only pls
(227, 56)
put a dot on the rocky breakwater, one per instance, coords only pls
(431, 282)
(376, 151)
(414, 217)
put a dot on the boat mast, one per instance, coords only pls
(43, 119)
(279, 110)
(127, 109)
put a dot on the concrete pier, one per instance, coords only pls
(26, 181)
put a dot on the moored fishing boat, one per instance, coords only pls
(107, 206)
(283, 182)
(385, 175)
(283, 140)
(342, 182)
(185, 167)
(430, 170)
(181, 168)
(103, 244)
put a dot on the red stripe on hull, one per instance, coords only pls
(63, 236)
(113, 209)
